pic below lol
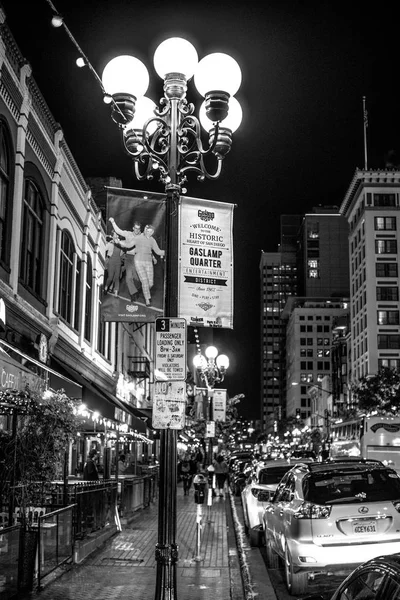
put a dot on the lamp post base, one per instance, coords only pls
(166, 557)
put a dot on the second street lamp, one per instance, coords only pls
(165, 141)
(211, 369)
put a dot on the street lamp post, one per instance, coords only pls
(165, 140)
(211, 369)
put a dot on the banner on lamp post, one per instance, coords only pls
(205, 284)
(133, 288)
(201, 403)
(219, 405)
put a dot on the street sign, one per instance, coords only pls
(171, 343)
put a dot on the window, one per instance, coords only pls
(388, 342)
(386, 269)
(313, 274)
(66, 277)
(390, 363)
(88, 300)
(387, 293)
(385, 223)
(386, 246)
(384, 200)
(388, 317)
(32, 238)
(5, 199)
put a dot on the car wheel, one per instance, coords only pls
(296, 583)
(272, 557)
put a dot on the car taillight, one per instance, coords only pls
(396, 504)
(308, 510)
(261, 495)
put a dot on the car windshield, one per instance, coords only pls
(371, 485)
(273, 474)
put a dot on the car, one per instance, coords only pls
(239, 477)
(329, 517)
(376, 579)
(260, 488)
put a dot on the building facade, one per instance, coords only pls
(371, 207)
(52, 259)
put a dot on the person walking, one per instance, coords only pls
(221, 472)
(129, 245)
(90, 472)
(145, 246)
(186, 476)
(113, 264)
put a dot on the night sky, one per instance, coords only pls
(306, 67)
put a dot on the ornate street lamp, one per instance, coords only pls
(165, 141)
(211, 369)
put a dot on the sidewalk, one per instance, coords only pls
(125, 567)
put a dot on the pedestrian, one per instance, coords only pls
(113, 264)
(90, 472)
(144, 260)
(221, 472)
(186, 476)
(121, 464)
(129, 245)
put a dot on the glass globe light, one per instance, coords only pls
(232, 121)
(125, 75)
(222, 361)
(144, 110)
(211, 352)
(175, 55)
(200, 362)
(218, 71)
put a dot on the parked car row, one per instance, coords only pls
(319, 518)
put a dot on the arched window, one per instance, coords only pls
(67, 251)
(32, 240)
(89, 300)
(5, 191)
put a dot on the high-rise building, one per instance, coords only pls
(311, 262)
(371, 207)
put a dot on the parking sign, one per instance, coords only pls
(171, 342)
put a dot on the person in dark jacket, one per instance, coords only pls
(90, 472)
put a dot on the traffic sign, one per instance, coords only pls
(171, 343)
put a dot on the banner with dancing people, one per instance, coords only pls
(133, 289)
(205, 293)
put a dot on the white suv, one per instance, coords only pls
(330, 517)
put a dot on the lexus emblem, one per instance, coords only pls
(363, 509)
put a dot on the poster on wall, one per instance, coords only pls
(205, 284)
(133, 289)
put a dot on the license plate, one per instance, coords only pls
(365, 527)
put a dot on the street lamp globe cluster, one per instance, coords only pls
(212, 367)
(167, 138)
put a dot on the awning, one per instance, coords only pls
(91, 396)
(23, 369)
(139, 419)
